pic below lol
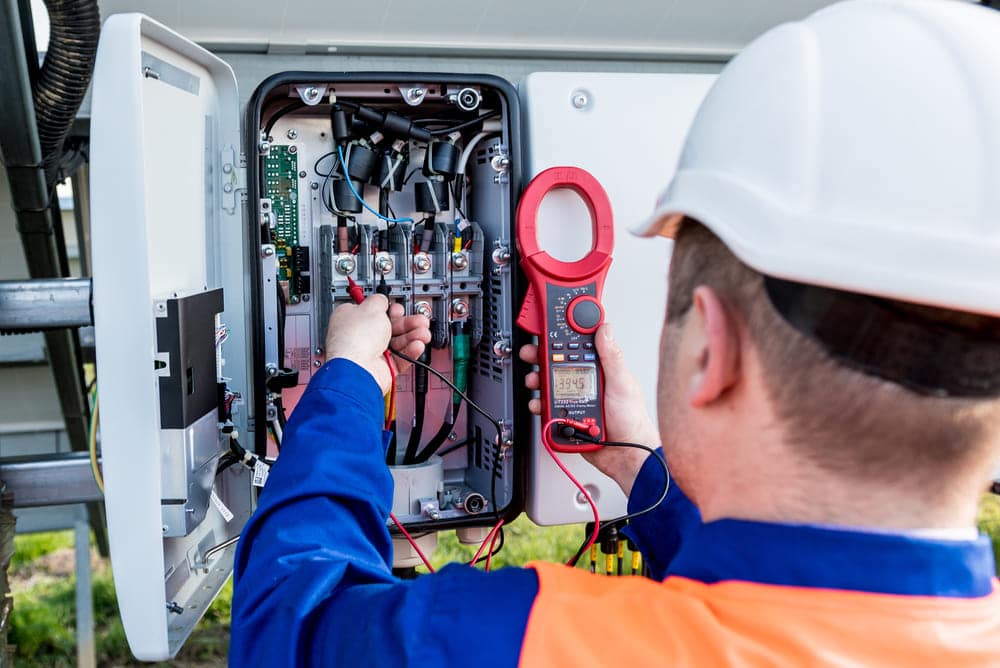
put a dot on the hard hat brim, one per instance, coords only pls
(664, 222)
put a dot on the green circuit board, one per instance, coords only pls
(281, 185)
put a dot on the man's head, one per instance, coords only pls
(747, 400)
(864, 378)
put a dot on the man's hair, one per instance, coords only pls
(843, 419)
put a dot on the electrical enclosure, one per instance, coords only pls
(219, 257)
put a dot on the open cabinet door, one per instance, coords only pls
(586, 119)
(169, 309)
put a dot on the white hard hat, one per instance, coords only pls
(858, 149)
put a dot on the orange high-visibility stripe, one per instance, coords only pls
(582, 620)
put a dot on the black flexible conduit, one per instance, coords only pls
(75, 26)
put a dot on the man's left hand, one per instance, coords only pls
(361, 332)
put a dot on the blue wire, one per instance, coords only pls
(340, 153)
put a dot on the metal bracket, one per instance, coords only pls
(233, 178)
(43, 304)
(311, 94)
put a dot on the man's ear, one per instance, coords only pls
(718, 364)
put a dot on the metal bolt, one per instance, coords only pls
(264, 146)
(423, 308)
(268, 251)
(580, 99)
(499, 162)
(415, 93)
(501, 256)
(314, 185)
(302, 174)
(317, 363)
(227, 187)
(452, 436)
(459, 261)
(294, 299)
(346, 264)
(271, 370)
(292, 133)
(227, 168)
(421, 263)
(293, 149)
(384, 264)
(312, 92)
(459, 308)
(502, 349)
(318, 351)
(305, 297)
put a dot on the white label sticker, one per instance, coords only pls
(260, 473)
(226, 513)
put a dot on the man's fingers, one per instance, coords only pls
(376, 302)
(532, 381)
(396, 312)
(401, 325)
(422, 335)
(535, 406)
(529, 353)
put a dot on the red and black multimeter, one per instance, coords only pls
(563, 309)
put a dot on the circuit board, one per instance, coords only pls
(281, 185)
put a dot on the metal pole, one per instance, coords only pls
(44, 303)
(85, 652)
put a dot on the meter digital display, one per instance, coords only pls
(574, 383)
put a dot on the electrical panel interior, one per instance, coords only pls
(402, 188)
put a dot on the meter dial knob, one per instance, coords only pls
(585, 314)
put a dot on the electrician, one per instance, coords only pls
(828, 398)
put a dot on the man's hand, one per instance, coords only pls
(624, 411)
(362, 332)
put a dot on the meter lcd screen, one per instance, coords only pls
(574, 383)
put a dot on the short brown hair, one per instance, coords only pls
(842, 419)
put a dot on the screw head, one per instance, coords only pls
(227, 168)
(460, 308)
(264, 146)
(293, 149)
(305, 297)
(268, 251)
(423, 308)
(415, 93)
(292, 133)
(317, 363)
(345, 264)
(580, 99)
(421, 263)
(227, 187)
(318, 351)
(459, 261)
(312, 92)
(302, 174)
(294, 299)
(314, 185)
(384, 264)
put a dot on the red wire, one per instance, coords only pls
(583, 490)
(489, 554)
(485, 541)
(409, 538)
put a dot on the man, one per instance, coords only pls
(829, 374)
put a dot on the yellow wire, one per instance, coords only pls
(98, 478)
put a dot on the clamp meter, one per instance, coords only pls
(563, 309)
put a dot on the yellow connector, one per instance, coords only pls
(609, 563)
(458, 245)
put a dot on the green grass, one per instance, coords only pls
(32, 546)
(44, 618)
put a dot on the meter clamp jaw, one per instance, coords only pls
(563, 309)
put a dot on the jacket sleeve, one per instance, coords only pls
(659, 533)
(313, 577)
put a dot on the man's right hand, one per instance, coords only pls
(625, 414)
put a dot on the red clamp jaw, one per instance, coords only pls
(562, 307)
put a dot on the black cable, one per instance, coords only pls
(419, 406)
(474, 406)
(466, 124)
(439, 438)
(298, 104)
(452, 448)
(624, 519)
